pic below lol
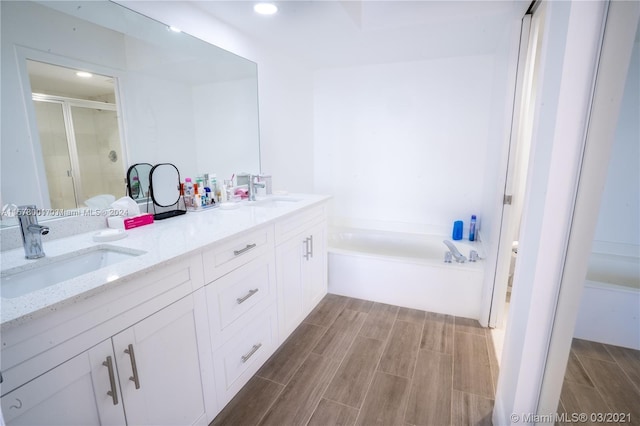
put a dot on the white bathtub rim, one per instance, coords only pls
(337, 230)
(479, 265)
(601, 285)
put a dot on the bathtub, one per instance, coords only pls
(610, 307)
(406, 270)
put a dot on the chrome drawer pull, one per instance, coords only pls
(244, 250)
(248, 295)
(253, 350)
(135, 379)
(112, 380)
(307, 251)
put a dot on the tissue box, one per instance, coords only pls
(120, 222)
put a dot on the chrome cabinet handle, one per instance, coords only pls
(248, 295)
(307, 250)
(113, 393)
(244, 250)
(253, 350)
(135, 379)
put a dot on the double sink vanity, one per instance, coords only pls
(164, 326)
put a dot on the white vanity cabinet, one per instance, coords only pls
(173, 344)
(241, 305)
(301, 258)
(59, 368)
(65, 395)
(148, 374)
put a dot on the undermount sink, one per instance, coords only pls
(49, 271)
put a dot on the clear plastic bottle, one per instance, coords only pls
(472, 228)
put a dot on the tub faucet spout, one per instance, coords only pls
(454, 251)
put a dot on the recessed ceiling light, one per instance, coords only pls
(84, 74)
(175, 29)
(265, 8)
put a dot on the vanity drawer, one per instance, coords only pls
(239, 359)
(289, 228)
(232, 254)
(234, 298)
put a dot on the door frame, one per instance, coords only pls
(620, 28)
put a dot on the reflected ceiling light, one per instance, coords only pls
(174, 29)
(84, 74)
(265, 8)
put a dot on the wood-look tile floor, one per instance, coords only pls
(601, 379)
(359, 362)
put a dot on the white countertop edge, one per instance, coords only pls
(163, 241)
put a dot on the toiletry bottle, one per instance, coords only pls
(472, 228)
(197, 201)
(200, 182)
(457, 230)
(135, 187)
(188, 187)
(188, 192)
(213, 184)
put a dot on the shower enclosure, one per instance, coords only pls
(75, 123)
(81, 148)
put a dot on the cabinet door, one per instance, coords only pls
(159, 368)
(74, 393)
(290, 264)
(315, 272)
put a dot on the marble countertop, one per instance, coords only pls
(163, 241)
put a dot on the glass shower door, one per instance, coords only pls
(55, 150)
(97, 144)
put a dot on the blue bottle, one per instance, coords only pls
(457, 230)
(472, 228)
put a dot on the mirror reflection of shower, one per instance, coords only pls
(77, 120)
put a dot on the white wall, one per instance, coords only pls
(619, 219)
(284, 92)
(404, 144)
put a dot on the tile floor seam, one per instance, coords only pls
(453, 369)
(487, 347)
(595, 386)
(413, 374)
(321, 394)
(375, 369)
(270, 405)
(633, 383)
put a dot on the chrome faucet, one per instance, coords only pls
(253, 182)
(454, 251)
(31, 232)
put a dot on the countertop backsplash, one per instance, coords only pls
(10, 237)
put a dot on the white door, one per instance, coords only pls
(159, 368)
(74, 393)
(315, 280)
(290, 277)
(519, 150)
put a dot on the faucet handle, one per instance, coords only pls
(473, 256)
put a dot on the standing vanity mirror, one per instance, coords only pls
(138, 181)
(164, 191)
(175, 98)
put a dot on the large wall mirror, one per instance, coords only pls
(160, 96)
